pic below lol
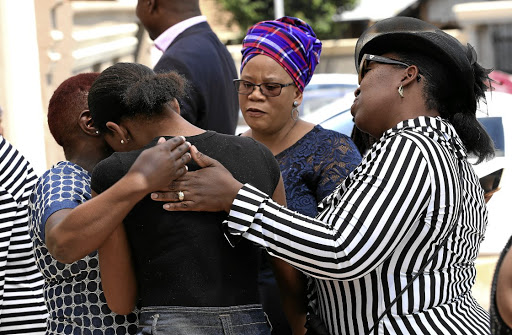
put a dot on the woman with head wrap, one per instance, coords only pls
(392, 250)
(278, 61)
(186, 276)
(279, 58)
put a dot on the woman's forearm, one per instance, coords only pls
(117, 274)
(72, 234)
(357, 231)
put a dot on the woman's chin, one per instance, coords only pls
(361, 125)
(256, 124)
(357, 120)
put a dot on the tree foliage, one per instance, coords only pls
(318, 13)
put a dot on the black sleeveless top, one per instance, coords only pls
(183, 258)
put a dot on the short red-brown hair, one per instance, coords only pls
(66, 104)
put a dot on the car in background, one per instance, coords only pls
(327, 100)
(335, 115)
(496, 117)
(325, 88)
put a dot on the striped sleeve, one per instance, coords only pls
(22, 307)
(382, 201)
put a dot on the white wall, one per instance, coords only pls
(20, 85)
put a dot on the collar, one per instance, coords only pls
(164, 40)
(438, 129)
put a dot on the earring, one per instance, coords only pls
(122, 141)
(401, 91)
(295, 111)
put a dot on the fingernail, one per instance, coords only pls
(183, 137)
(167, 206)
(154, 196)
(188, 143)
(194, 149)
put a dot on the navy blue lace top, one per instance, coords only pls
(314, 166)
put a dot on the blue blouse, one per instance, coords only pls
(314, 166)
(73, 293)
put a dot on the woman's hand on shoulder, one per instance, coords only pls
(157, 167)
(209, 189)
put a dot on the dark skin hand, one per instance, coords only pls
(210, 189)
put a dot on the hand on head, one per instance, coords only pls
(210, 189)
(163, 163)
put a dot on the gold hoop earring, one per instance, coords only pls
(401, 91)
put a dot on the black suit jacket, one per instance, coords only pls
(212, 101)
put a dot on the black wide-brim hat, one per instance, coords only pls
(409, 34)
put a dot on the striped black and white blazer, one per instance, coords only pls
(22, 307)
(378, 228)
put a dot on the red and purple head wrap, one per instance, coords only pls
(291, 42)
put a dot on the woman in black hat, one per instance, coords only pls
(392, 250)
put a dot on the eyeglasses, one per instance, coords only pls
(267, 89)
(367, 58)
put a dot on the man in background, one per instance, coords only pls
(191, 48)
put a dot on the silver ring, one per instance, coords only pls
(181, 196)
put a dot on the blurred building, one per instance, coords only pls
(45, 42)
(486, 25)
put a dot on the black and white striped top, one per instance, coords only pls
(22, 307)
(378, 228)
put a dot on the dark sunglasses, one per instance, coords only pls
(367, 58)
(267, 89)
